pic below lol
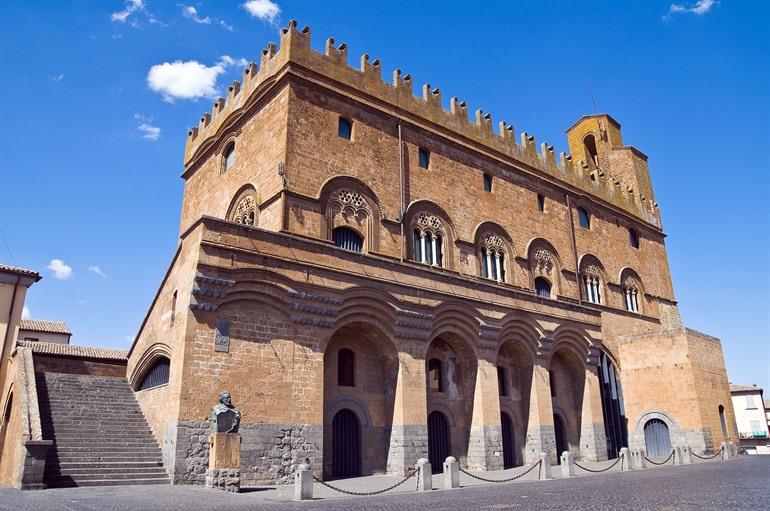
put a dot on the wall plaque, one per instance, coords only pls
(222, 336)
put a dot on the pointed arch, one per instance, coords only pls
(244, 206)
(545, 262)
(494, 250)
(431, 234)
(348, 202)
(632, 290)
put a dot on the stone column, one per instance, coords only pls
(486, 440)
(409, 434)
(540, 432)
(593, 441)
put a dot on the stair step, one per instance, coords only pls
(122, 473)
(104, 464)
(68, 482)
(125, 458)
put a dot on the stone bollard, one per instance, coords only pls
(424, 475)
(637, 457)
(686, 455)
(567, 464)
(678, 456)
(545, 467)
(626, 463)
(303, 482)
(451, 473)
(733, 450)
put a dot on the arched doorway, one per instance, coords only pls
(615, 428)
(509, 442)
(438, 440)
(360, 373)
(561, 437)
(656, 438)
(346, 444)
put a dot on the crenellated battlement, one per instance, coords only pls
(294, 55)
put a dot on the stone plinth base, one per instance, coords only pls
(225, 450)
(228, 479)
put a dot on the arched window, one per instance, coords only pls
(631, 291)
(345, 128)
(245, 210)
(722, 421)
(542, 287)
(424, 158)
(592, 288)
(228, 156)
(584, 218)
(428, 241)
(347, 238)
(346, 368)
(502, 381)
(633, 238)
(493, 258)
(157, 375)
(592, 156)
(435, 378)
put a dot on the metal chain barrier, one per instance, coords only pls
(673, 452)
(530, 469)
(411, 474)
(597, 471)
(719, 452)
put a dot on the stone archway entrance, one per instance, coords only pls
(346, 444)
(438, 440)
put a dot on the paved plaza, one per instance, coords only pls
(731, 485)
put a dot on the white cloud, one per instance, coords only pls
(132, 6)
(263, 9)
(58, 77)
(59, 269)
(82, 301)
(191, 13)
(190, 79)
(94, 268)
(149, 131)
(699, 8)
(25, 313)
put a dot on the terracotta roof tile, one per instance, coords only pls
(71, 350)
(19, 271)
(744, 388)
(41, 325)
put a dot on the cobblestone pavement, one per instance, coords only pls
(732, 485)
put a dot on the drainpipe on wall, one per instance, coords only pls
(574, 250)
(402, 185)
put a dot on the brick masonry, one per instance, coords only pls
(292, 300)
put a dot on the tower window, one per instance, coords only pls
(631, 295)
(345, 128)
(633, 238)
(592, 288)
(435, 378)
(592, 156)
(347, 238)
(229, 156)
(540, 202)
(424, 157)
(487, 183)
(543, 287)
(346, 368)
(584, 218)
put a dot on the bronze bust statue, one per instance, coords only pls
(225, 418)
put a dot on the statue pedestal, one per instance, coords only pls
(224, 462)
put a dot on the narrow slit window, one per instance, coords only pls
(424, 158)
(229, 156)
(540, 202)
(487, 183)
(584, 218)
(502, 381)
(435, 378)
(633, 238)
(345, 128)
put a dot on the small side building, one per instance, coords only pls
(39, 330)
(751, 418)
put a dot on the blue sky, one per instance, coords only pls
(99, 96)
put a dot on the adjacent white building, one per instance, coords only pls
(44, 331)
(751, 418)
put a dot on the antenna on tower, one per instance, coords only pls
(591, 92)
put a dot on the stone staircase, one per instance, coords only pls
(100, 435)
